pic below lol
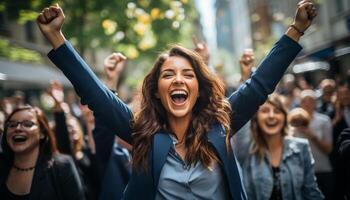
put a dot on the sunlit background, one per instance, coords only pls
(141, 29)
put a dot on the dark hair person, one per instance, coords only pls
(31, 163)
(181, 135)
(277, 165)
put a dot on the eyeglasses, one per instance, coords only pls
(25, 124)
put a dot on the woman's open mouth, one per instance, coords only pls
(271, 124)
(178, 97)
(19, 139)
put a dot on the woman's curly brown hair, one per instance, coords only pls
(211, 107)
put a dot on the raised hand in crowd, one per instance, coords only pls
(50, 22)
(114, 66)
(55, 90)
(7, 105)
(304, 15)
(201, 48)
(246, 64)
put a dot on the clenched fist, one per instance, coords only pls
(50, 22)
(304, 15)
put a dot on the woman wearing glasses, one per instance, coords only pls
(30, 167)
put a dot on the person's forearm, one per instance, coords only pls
(245, 77)
(56, 39)
(293, 34)
(112, 84)
(324, 146)
(62, 134)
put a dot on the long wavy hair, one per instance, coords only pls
(211, 107)
(47, 144)
(259, 144)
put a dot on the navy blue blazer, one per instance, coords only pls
(117, 116)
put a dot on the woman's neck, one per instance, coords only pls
(274, 142)
(275, 148)
(179, 126)
(26, 160)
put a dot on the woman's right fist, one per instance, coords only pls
(51, 19)
(50, 22)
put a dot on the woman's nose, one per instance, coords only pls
(271, 113)
(178, 79)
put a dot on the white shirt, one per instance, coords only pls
(321, 126)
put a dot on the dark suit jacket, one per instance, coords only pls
(115, 168)
(54, 179)
(117, 116)
(343, 165)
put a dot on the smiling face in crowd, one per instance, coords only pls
(270, 119)
(178, 87)
(23, 132)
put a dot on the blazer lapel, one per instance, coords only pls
(217, 138)
(161, 146)
(38, 181)
(143, 184)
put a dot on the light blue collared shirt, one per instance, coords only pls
(181, 181)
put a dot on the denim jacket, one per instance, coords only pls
(298, 180)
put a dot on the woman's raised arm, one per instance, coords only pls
(247, 99)
(104, 103)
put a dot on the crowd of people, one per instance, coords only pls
(185, 135)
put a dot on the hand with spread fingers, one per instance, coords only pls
(55, 90)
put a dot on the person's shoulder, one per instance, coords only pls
(62, 160)
(63, 165)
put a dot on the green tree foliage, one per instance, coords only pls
(16, 53)
(134, 27)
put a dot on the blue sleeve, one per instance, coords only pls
(114, 114)
(250, 95)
